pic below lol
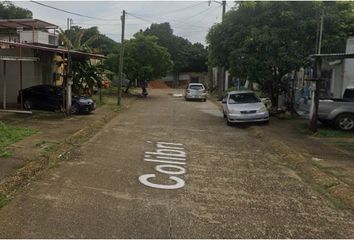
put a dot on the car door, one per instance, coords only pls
(55, 98)
(38, 97)
(224, 103)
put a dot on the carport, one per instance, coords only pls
(5, 59)
(318, 60)
(74, 56)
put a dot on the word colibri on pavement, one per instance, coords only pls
(171, 158)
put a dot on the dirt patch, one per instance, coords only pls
(158, 84)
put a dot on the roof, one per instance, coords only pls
(25, 23)
(333, 55)
(53, 49)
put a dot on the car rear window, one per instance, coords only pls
(196, 87)
(243, 98)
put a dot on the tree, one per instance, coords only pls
(144, 59)
(187, 57)
(88, 40)
(86, 76)
(10, 11)
(262, 41)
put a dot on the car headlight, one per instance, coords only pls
(262, 109)
(233, 111)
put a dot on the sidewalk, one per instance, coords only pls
(57, 135)
(326, 163)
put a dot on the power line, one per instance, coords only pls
(182, 9)
(73, 13)
(151, 20)
(201, 12)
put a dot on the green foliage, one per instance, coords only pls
(88, 40)
(262, 41)
(86, 77)
(10, 135)
(10, 11)
(187, 57)
(144, 59)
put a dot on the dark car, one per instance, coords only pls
(48, 97)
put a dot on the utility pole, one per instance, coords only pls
(223, 9)
(317, 76)
(221, 75)
(68, 71)
(121, 61)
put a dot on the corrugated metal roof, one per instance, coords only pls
(25, 23)
(52, 49)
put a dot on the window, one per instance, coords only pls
(241, 98)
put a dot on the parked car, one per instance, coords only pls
(244, 106)
(338, 112)
(48, 97)
(196, 91)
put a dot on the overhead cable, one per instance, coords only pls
(73, 13)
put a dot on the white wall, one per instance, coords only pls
(32, 73)
(348, 77)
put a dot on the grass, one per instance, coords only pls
(323, 132)
(3, 200)
(10, 135)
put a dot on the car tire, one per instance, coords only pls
(74, 109)
(326, 123)
(228, 123)
(345, 122)
(266, 122)
(224, 114)
(28, 105)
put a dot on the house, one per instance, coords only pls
(30, 55)
(338, 71)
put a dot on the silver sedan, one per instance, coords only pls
(244, 106)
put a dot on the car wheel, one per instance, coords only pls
(345, 122)
(266, 122)
(224, 114)
(228, 123)
(27, 105)
(74, 109)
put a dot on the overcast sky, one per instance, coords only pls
(189, 19)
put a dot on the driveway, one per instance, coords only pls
(225, 184)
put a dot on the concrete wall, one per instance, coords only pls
(348, 77)
(33, 73)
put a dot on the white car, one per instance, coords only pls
(244, 106)
(196, 91)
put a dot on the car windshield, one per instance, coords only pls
(240, 98)
(196, 87)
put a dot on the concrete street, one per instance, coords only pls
(232, 184)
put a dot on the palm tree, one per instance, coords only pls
(86, 76)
